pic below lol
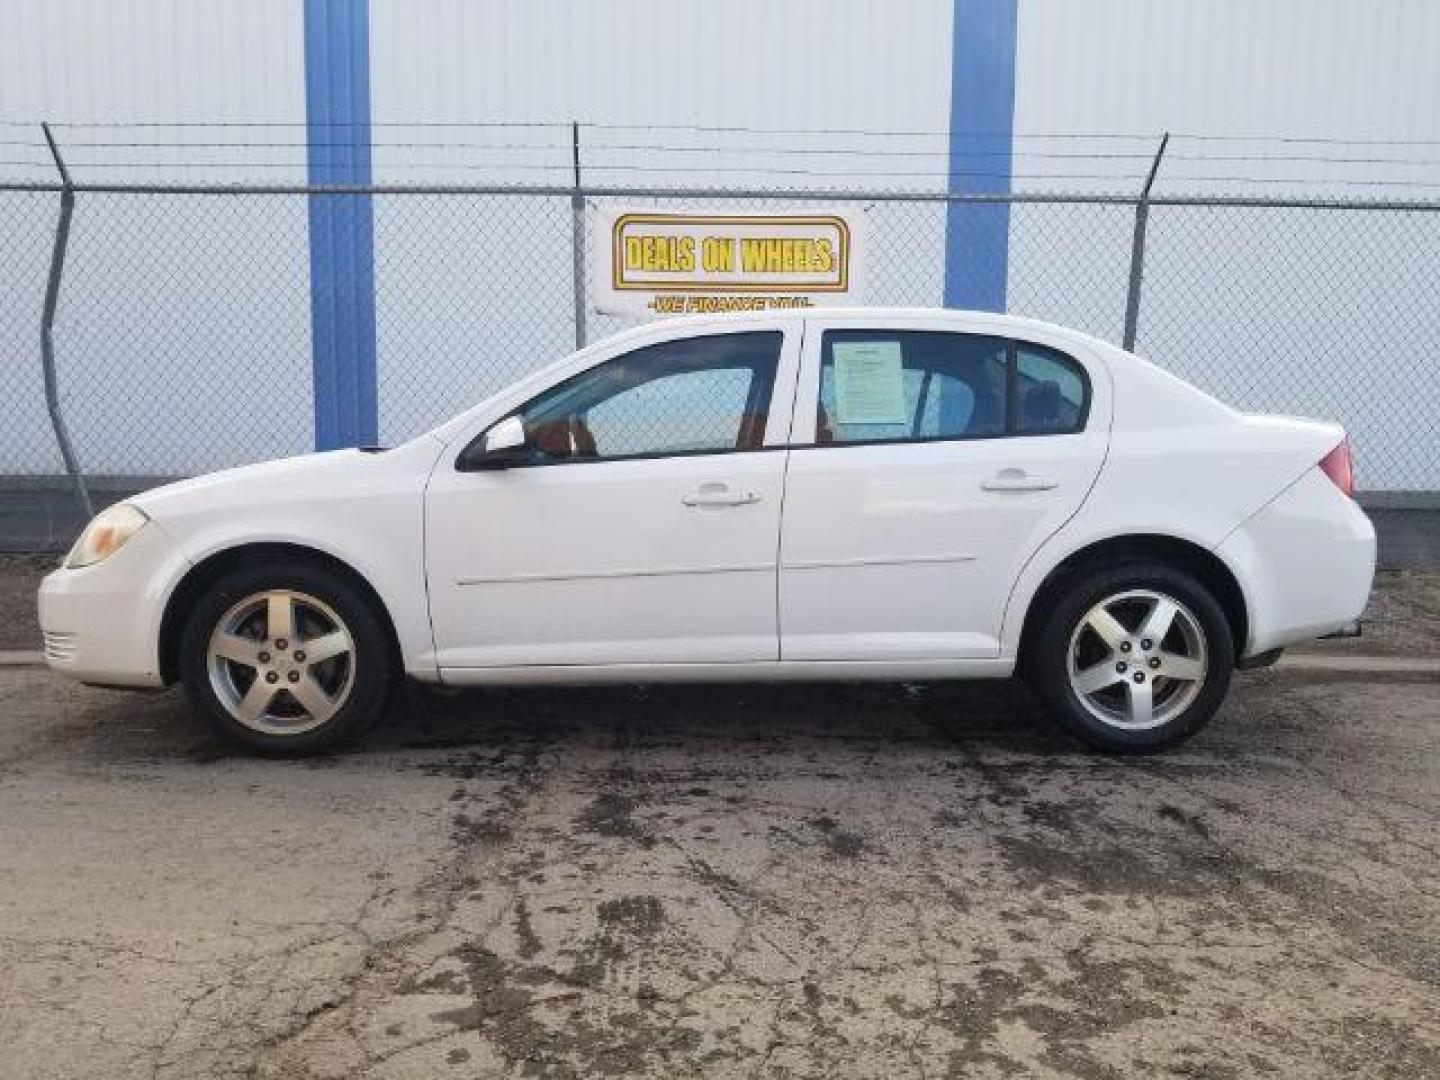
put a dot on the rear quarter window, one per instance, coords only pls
(1051, 394)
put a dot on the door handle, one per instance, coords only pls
(1018, 480)
(717, 494)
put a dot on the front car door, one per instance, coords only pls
(644, 527)
(929, 464)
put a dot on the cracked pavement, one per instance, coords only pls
(784, 881)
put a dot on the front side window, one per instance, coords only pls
(902, 385)
(697, 395)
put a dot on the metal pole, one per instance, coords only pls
(577, 238)
(1137, 249)
(47, 328)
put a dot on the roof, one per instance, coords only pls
(975, 321)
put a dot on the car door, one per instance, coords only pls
(929, 465)
(643, 527)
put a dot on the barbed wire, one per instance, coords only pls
(941, 178)
(725, 128)
(102, 147)
(662, 148)
(593, 146)
(604, 167)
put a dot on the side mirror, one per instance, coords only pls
(501, 447)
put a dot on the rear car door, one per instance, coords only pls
(928, 465)
(644, 528)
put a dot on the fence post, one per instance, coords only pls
(1137, 249)
(577, 238)
(47, 327)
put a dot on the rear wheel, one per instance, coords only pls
(1133, 657)
(288, 658)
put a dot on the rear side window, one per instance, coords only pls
(1050, 391)
(889, 386)
(880, 386)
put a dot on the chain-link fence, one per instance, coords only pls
(182, 331)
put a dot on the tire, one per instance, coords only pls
(1095, 676)
(286, 700)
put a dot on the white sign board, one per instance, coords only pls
(869, 383)
(650, 262)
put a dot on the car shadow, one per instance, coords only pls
(977, 721)
(753, 713)
(750, 717)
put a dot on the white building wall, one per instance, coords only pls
(759, 77)
(1356, 69)
(1310, 312)
(184, 335)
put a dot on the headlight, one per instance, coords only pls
(105, 535)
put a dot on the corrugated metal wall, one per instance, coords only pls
(800, 64)
(1362, 69)
(639, 74)
(1281, 71)
(1322, 314)
(143, 277)
(197, 60)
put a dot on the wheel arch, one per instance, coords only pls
(1204, 564)
(203, 574)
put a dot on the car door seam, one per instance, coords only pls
(435, 466)
(1005, 617)
(785, 487)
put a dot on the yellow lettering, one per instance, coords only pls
(752, 254)
(660, 253)
(718, 254)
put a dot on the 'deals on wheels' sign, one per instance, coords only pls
(660, 263)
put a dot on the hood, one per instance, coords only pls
(317, 476)
(281, 471)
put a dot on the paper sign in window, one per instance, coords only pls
(869, 382)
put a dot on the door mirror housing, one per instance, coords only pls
(504, 445)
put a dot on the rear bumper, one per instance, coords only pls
(101, 623)
(1305, 562)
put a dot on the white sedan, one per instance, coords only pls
(858, 494)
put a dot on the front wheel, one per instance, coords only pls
(286, 658)
(1133, 657)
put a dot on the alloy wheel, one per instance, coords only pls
(1137, 659)
(281, 662)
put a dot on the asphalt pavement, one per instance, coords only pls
(793, 881)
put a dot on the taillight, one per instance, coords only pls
(1339, 465)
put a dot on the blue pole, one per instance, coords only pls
(982, 116)
(342, 232)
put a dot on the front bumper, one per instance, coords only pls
(101, 623)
